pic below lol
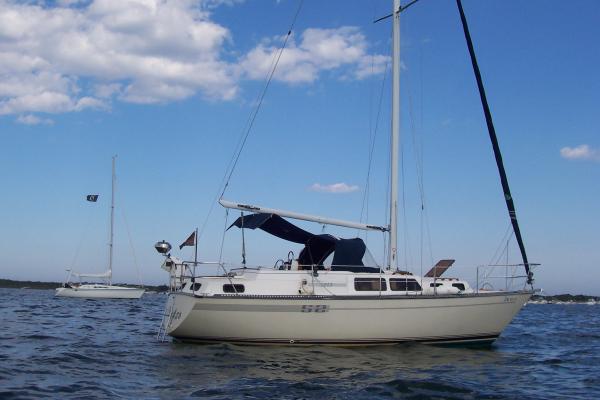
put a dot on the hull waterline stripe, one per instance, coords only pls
(389, 341)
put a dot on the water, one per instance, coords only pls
(72, 348)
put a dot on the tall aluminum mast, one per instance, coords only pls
(392, 259)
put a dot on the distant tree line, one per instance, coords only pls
(8, 283)
(577, 298)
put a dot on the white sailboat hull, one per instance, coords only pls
(100, 292)
(342, 300)
(477, 318)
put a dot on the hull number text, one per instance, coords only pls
(316, 308)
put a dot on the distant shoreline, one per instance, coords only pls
(12, 284)
(564, 298)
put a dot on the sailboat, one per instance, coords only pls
(104, 290)
(332, 292)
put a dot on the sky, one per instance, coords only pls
(168, 87)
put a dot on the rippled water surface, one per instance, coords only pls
(73, 348)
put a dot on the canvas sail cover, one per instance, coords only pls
(347, 253)
(105, 274)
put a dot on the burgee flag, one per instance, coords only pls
(190, 241)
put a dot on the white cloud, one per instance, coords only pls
(334, 188)
(318, 50)
(581, 152)
(371, 65)
(31, 119)
(89, 102)
(82, 54)
(48, 102)
(62, 59)
(108, 90)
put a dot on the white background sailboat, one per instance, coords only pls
(330, 293)
(104, 290)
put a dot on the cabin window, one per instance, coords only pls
(228, 288)
(184, 285)
(459, 286)
(435, 284)
(369, 284)
(196, 286)
(404, 285)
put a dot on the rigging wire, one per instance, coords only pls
(495, 259)
(407, 253)
(499, 250)
(364, 211)
(243, 242)
(250, 122)
(221, 264)
(421, 108)
(388, 200)
(261, 98)
(223, 237)
(137, 267)
(82, 237)
(418, 155)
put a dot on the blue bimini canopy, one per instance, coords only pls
(348, 253)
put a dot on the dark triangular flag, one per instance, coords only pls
(190, 241)
(92, 197)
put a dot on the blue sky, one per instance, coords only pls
(169, 86)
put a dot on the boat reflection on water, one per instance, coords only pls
(410, 368)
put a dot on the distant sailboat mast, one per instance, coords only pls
(112, 222)
(106, 290)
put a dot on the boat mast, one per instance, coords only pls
(112, 222)
(392, 259)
